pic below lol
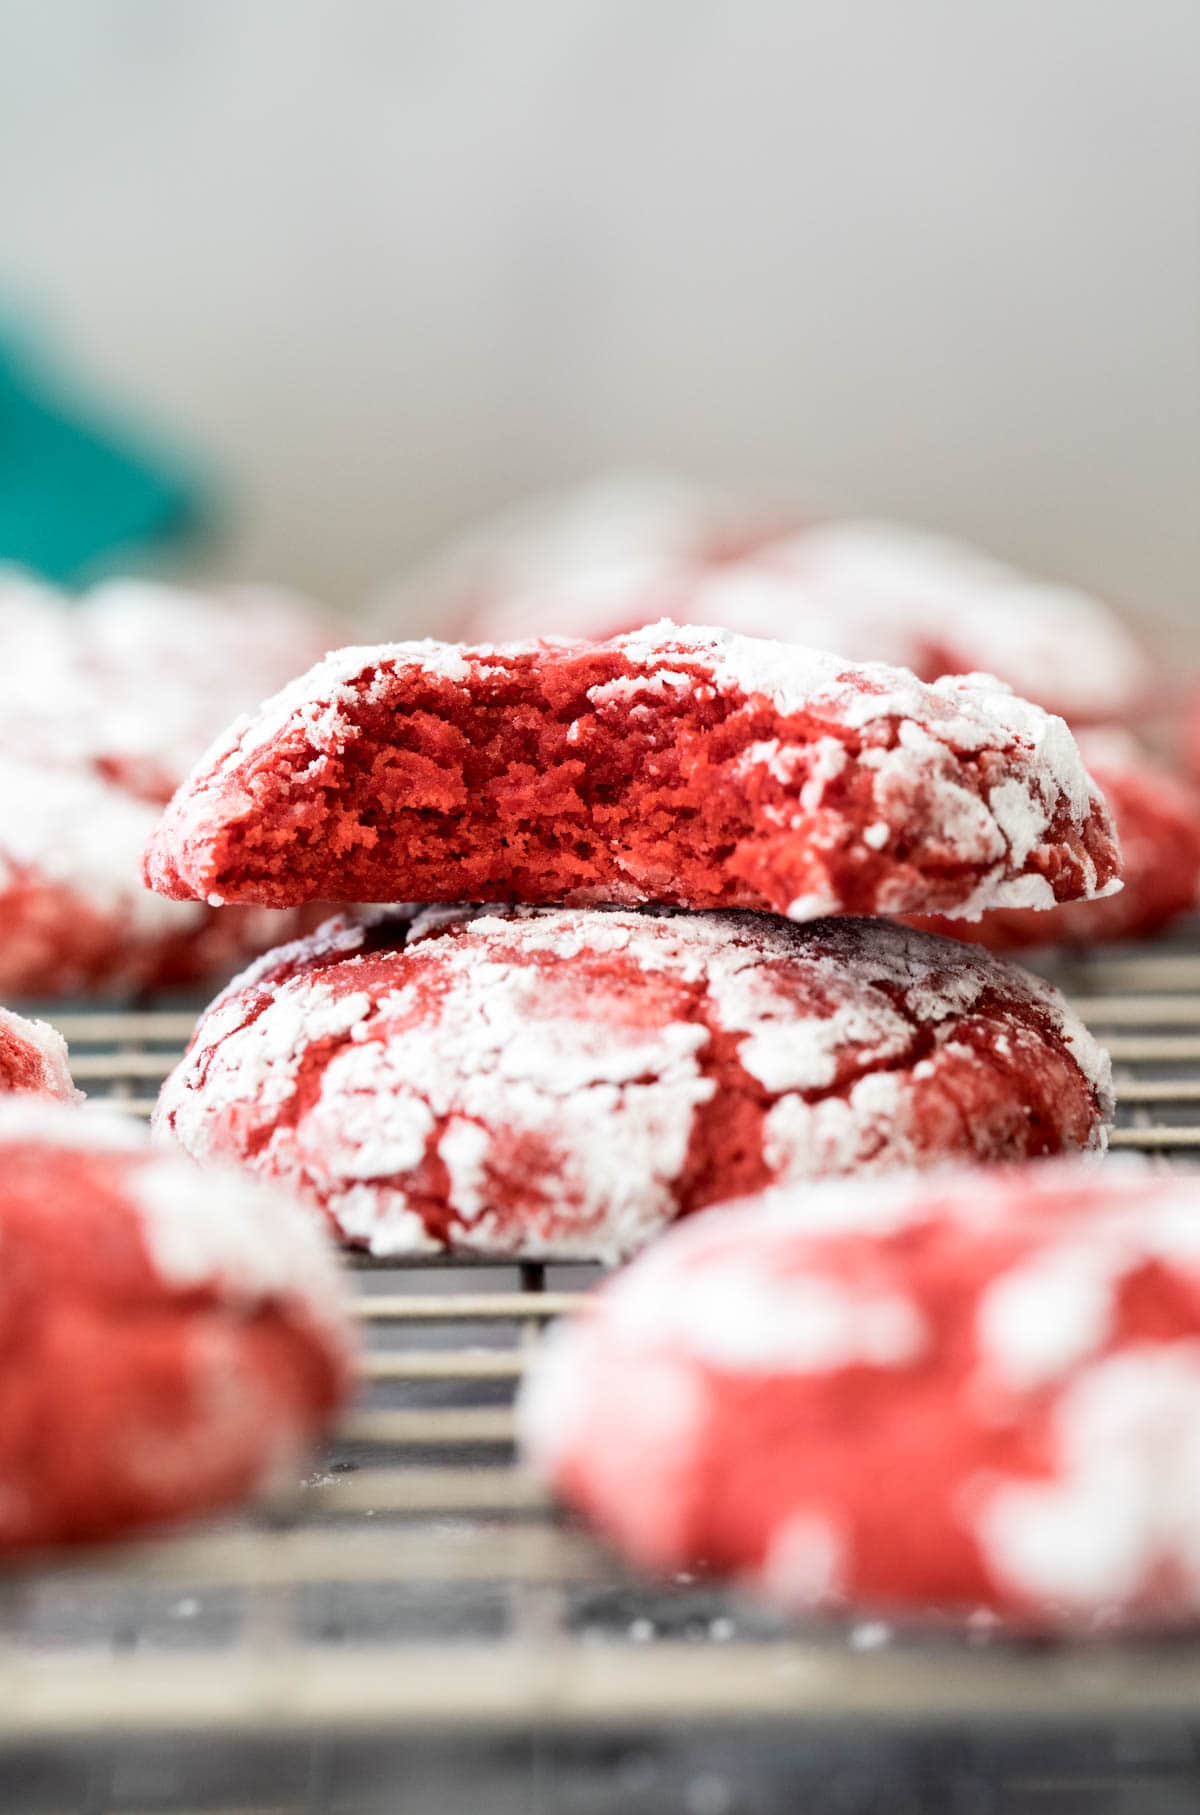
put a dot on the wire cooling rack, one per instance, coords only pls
(418, 1582)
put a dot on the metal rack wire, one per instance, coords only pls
(420, 1581)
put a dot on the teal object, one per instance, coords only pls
(79, 490)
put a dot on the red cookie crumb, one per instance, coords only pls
(176, 1338)
(1157, 819)
(869, 591)
(567, 1081)
(690, 767)
(920, 1396)
(33, 1059)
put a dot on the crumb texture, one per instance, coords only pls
(952, 1393)
(689, 767)
(567, 1081)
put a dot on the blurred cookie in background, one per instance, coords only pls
(928, 1396)
(581, 554)
(180, 1336)
(625, 552)
(105, 704)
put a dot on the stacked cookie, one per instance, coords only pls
(662, 1012)
(946, 1390)
(631, 548)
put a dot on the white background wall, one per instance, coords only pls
(391, 263)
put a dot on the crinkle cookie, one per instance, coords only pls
(920, 1395)
(681, 766)
(176, 1337)
(565, 1081)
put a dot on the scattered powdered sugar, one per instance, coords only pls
(638, 686)
(971, 712)
(463, 1150)
(1022, 819)
(319, 703)
(871, 1127)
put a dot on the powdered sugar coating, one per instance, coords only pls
(183, 1333)
(1157, 818)
(213, 1227)
(1025, 1437)
(682, 765)
(33, 1058)
(567, 1081)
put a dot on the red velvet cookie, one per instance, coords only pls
(1157, 818)
(690, 767)
(33, 1059)
(567, 1081)
(103, 705)
(919, 1395)
(869, 591)
(174, 1338)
